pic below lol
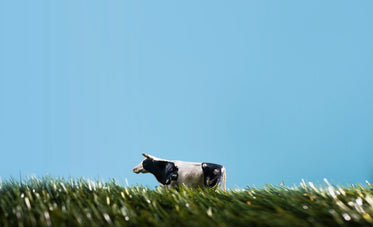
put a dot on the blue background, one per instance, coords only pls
(273, 90)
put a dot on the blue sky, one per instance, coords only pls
(274, 91)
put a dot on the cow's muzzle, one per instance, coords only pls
(139, 169)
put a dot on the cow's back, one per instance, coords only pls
(189, 173)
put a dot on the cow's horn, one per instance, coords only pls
(147, 156)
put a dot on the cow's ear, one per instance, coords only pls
(148, 156)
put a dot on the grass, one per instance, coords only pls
(80, 202)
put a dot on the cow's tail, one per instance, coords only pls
(224, 178)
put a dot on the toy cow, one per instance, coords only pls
(173, 173)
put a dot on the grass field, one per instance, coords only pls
(81, 202)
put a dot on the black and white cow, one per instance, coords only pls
(173, 173)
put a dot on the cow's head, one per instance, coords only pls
(140, 167)
(165, 171)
